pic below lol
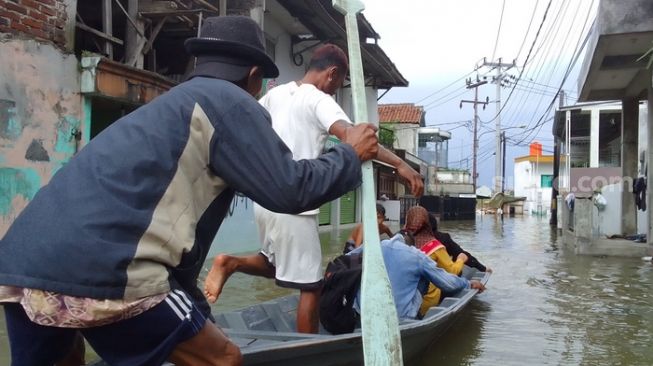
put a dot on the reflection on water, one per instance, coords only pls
(547, 306)
(544, 305)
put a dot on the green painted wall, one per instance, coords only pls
(15, 182)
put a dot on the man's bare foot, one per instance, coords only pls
(223, 267)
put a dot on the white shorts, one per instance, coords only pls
(291, 243)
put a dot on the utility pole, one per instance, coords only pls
(501, 67)
(553, 221)
(475, 86)
(503, 168)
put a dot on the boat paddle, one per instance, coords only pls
(379, 322)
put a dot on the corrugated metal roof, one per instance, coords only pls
(327, 24)
(401, 113)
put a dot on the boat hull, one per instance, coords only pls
(263, 333)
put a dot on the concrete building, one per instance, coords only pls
(427, 146)
(533, 175)
(70, 68)
(622, 33)
(446, 190)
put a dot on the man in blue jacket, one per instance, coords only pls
(408, 270)
(112, 247)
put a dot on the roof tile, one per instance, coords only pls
(400, 113)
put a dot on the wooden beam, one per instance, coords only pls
(98, 33)
(129, 18)
(134, 36)
(207, 5)
(107, 27)
(153, 35)
(171, 13)
(149, 6)
(144, 44)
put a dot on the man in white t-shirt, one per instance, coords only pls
(304, 115)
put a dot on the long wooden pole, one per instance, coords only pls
(380, 325)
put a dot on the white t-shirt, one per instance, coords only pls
(302, 116)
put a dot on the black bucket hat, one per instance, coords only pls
(228, 47)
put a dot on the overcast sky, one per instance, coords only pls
(435, 43)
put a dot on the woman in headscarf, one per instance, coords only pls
(418, 227)
(453, 248)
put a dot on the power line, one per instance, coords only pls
(541, 60)
(555, 65)
(445, 87)
(446, 101)
(526, 61)
(571, 63)
(528, 30)
(496, 42)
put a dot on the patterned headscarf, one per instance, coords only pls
(417, 224)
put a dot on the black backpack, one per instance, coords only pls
(341, 282)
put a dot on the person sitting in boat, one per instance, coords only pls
(356, 237)
(113, 245)
(303, 114)
(453, 248)
(417, 225)
(408, 270)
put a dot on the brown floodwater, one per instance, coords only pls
(543, 306)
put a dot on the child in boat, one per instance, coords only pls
(417, 225)
(407, 269)
(453, 248)
(356, 238)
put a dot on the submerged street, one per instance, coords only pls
(544, 305)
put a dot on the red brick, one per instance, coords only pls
(38, 33)
(33, 23)
(48, 2)
(48, 11)
(10, 14)
(38, 16)
(30, 4)
(4, 21)
(15, 7)
(4, 29)
(19, 27)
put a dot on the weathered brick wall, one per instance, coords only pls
(39, 19)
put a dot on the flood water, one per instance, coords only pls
(543, 306)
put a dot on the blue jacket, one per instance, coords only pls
(135, 211)
(407, 268)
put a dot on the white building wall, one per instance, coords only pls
(406, 137)
(522, 178)
(528, 178)
(288, 71)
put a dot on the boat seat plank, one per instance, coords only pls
(256, 318)
(234, 320)
(288, 304)
(279, 319)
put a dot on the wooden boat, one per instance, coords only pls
(266, 333)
